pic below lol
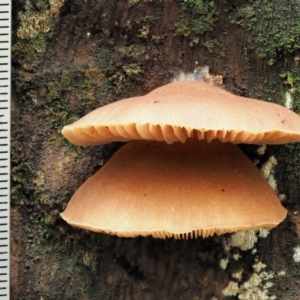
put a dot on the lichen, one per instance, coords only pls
(263, 233)
(262, 150)
(132, 69)
(288, 100)
(32, 24)
(231, 290)
(144, 32)
(223, 263)
(55, 6)
(256, 287)
(244, 240)
(268, 171)
(238, 275)
(296, 255)
(259, 266)
(34, 30)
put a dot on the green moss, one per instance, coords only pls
(56, 109)
(20, 170)
(105, 58)
(28, 53)
(132, 2)
(83, 85)
(269, 31)
(144, 32)
(126, 78)
(132, 70)
(131, 50)
(196, 18)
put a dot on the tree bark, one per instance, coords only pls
(70, 57)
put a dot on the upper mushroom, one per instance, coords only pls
(184, 109)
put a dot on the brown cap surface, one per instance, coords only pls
(184, 109)
(180, 190)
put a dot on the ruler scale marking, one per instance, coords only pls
(5, 65)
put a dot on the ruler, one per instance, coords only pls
(5, 65)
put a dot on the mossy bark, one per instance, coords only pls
(70, 57)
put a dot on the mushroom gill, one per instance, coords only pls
(187, 109)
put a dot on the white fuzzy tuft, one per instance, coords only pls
(184, 76)
(200, 74)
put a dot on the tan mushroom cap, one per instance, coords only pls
(184, 109)
(179, 190)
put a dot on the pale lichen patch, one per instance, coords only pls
(282, 197)
(244, 240)
(288, 100)
(259, 266)
(236, 256)
(255, 288)
(268, 170)
(32, 24)
(296, 255)
(223, 263)
(263, 233)
(262, 150)
(55, 6)
(253, 281)
(281, 273)
(232, 289)
(253, 251)
(238, 275)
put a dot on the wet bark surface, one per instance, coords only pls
(73, 56)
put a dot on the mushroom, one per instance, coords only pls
(179, 190)
(186, 109)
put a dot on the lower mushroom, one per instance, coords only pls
(179, 190)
